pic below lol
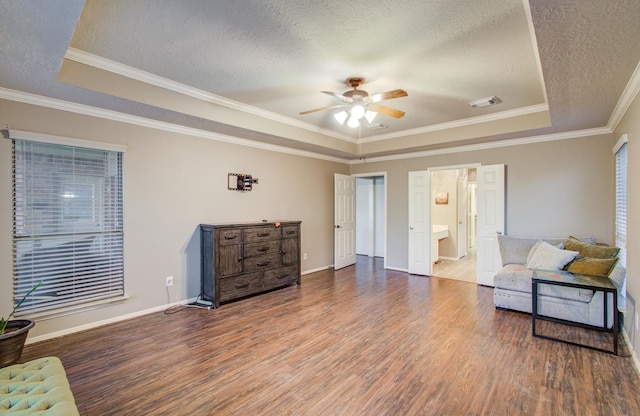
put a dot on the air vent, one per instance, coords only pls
(378, 126)
(485, 102)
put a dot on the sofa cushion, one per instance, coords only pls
(514, 250)
(591, 250)
(548, 257)
(588, 265)
(518, 278)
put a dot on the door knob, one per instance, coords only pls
(411, 228)
(337, 226)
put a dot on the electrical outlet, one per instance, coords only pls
(304, 256)
(169, 281)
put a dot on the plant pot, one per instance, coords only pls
(13, 339)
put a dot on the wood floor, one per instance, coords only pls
(358, 341)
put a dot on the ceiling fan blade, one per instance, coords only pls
(334, 94)
(376, 98)
(392, 112)
(322, 109)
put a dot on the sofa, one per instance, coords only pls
(522, 255)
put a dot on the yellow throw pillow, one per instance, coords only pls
(591, 250)
(589, 265)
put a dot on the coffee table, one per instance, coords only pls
(581, 281)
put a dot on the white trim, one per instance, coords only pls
(621, 141)
(488, 145)
(471, 121)
(626, 99)
(168, 84)
(319, 269)
(70, 310)
(28, 98)
(634, 356)
(65, 141)
(31, 340)
(455, 167)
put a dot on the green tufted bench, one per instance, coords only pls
(38, 387)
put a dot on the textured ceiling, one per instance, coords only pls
(246, 69)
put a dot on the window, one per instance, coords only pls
(67, 225)
(620, 151)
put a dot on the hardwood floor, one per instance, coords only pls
(357, 341)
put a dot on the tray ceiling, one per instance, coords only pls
(247, 69)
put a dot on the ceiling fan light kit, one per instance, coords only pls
(361, 104)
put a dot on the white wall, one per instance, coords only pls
(172, 183)
(554, 188)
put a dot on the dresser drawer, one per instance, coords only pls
(234, 287)
(268, 261)
(255, 234)
(290, 231)
(261, 248)
(281, 276)
(230, 236)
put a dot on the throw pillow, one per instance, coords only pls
(533, 250)
(548, 257)
(590, 250)
(588, 265)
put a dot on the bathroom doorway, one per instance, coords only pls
(454, 208)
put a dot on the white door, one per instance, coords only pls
(463, 209)
(344, 212)
(419, 223)
(490, 206)
(473, 214)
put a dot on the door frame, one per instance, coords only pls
(384, 230)
(429, 171)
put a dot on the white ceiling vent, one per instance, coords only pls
(378, 126)
(485, 102)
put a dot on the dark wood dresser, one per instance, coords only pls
(239, 260)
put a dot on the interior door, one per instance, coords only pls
(490, 206)
(344, 212)
(463, 209)
(419, 223)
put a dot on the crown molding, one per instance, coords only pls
(462, 123)
(57, 104)
(628, 95)
(489, 145)
(118, 68)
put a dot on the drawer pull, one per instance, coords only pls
(230, 237)
(291, 232)
(282, 276)
(263, 249)
(264, 263)
(263, 234)
(241, 285)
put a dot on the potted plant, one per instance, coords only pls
(13, 334)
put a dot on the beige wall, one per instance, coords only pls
(553, 189)
(630, 125)
(172, 183)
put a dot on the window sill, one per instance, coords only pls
(70, 310)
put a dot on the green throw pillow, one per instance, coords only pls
(589, 265)
(591, 250)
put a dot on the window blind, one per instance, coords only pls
(621, 204)
(67, 225)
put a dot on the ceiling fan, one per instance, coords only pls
(361, 104)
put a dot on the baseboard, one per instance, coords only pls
(634, 357)
(51, 335)
(319, 269)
